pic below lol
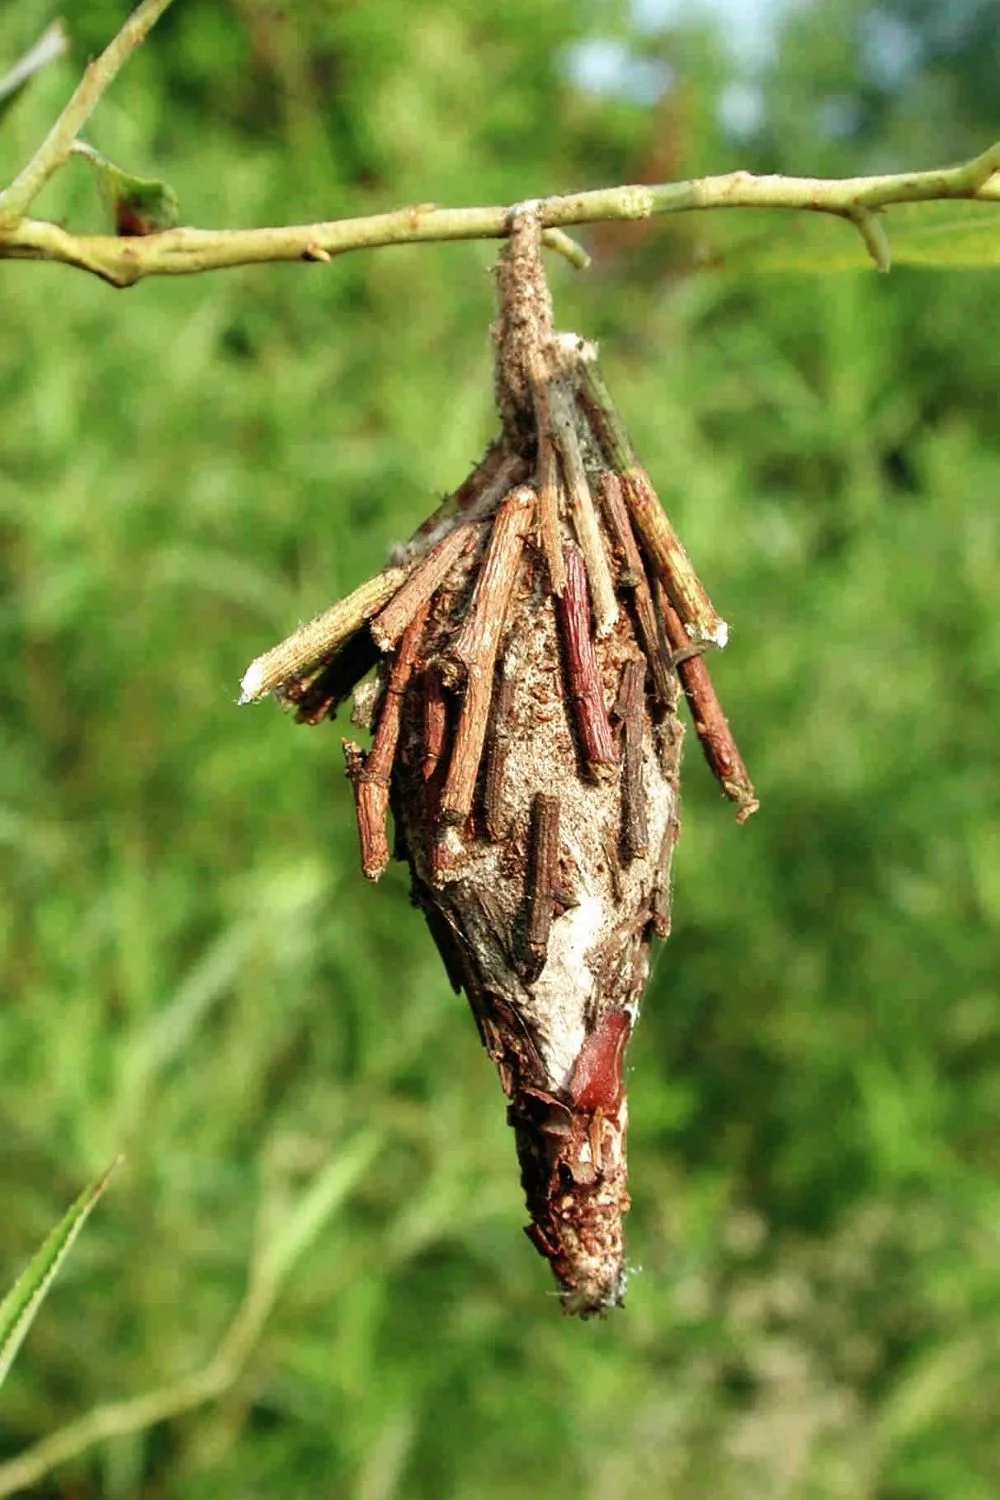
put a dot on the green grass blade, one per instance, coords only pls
(51, 44)
(18, 1308)
(323, 1196)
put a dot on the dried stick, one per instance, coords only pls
(370, 774)
(548, 476)
(475, 649)
(541, 878)
(318, 639)
(549, 489)
(696, 610)
(371, 804)
(494, 810)
(494, 465)
(711, 724)
(423, 582)
(435, 723)
(467, 748)
(592, 725)
(479, 636)
(628, 711)
(663, 546)
(633, 576)
(564, 435)
(383, 752)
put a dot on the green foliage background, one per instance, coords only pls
(194, 973)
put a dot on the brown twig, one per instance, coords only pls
(434, 723)
(371, 804)
(479, 636)
(549, 486)
(592, 725)
(549, 491)
(581, 506)
(663, 546)
(370, 774)
(475, 499)
(475, 648)
(628, 711)
(702, 624)
(633, 577)
(383, 751)
(711, 724)
(541, 878)
(423, 582)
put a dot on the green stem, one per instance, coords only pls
(22, 192)
(181, 252)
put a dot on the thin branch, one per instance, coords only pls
(876, 241)
(181, 252)
(57, 145)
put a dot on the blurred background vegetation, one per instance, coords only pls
(194, 972)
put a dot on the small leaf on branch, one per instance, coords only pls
(139, 205)
(18, 1308)
(51, 44)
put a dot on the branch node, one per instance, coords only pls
(871, 229)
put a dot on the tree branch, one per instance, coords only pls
(22, 192)
(181, 252)
(122, 261)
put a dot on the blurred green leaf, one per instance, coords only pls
(139, 205)
(18, 1308)
(51, 44)
(940, 235)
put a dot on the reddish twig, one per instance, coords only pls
(370, 774)
(663, 547)
(435, 722)
(592, 725)
(371, 804)
(711, 724)
(474, 649)
(422, 584)
(479, 636)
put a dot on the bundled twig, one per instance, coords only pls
(530, 648)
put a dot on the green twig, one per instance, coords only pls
(180, 252)
(22, 192)
(872, 231)
(121, 261)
